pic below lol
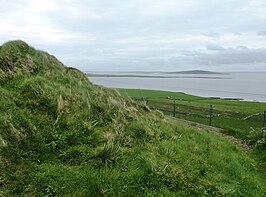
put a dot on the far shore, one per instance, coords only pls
(158, 77)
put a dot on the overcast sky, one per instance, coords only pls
(122, 35)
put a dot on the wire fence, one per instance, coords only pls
(207, 115)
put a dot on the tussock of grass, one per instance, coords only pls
(62, 136)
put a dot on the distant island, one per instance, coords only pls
(147, 74)
(195, 72)
(155, 72)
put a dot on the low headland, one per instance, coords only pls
(162, 75)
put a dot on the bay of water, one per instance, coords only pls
(247, 86)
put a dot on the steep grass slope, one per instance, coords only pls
(60, 135)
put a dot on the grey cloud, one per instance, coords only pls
(242, 47)
(237, 33)
(212, 35)
(262, 33)
(237, 55)
(214, 47)
(142, 35)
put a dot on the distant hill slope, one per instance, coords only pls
(60, 135)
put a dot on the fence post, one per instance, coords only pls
(210, 115)
(264, 119)
(147, 101)
(174, 109)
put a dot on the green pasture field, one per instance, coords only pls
(228, 114)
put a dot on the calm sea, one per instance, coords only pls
(247, 86)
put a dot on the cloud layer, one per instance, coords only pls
(142, 34)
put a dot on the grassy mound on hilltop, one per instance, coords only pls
(60, 135)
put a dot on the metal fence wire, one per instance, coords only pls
(208, 115)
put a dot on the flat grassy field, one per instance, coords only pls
(227, 114)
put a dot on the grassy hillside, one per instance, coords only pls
(62, 136)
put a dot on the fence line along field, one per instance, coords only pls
(241, 119)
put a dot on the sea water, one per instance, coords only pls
(247, 85)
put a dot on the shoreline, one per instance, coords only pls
(203, 97)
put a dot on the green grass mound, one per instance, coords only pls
(60, 135)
